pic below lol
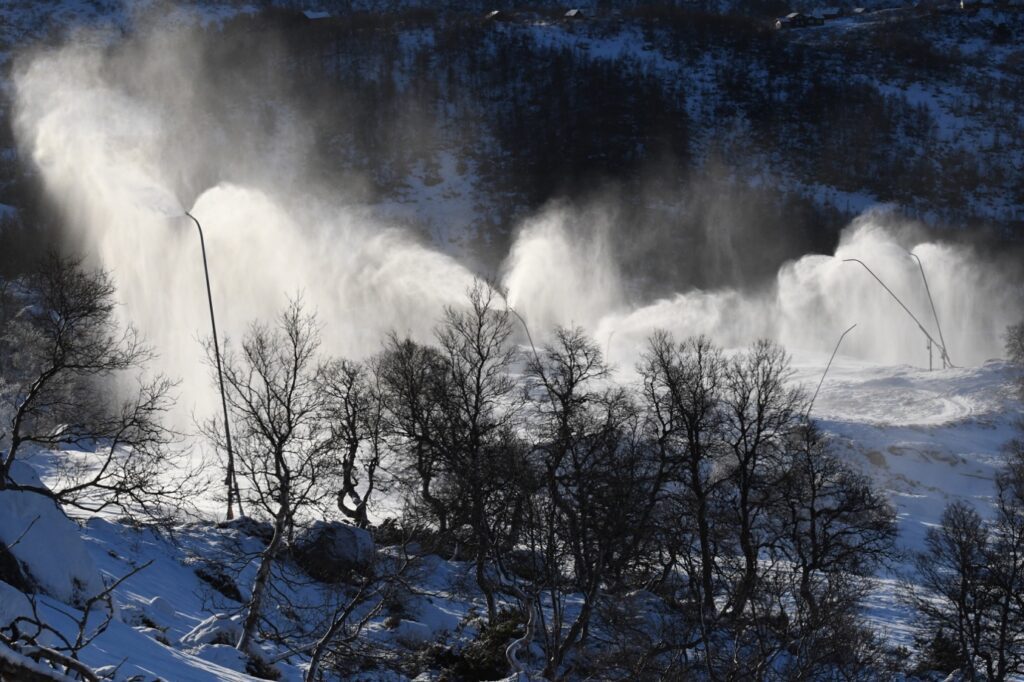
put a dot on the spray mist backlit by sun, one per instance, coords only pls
(110, 154)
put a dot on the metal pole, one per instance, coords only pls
(827, 367)
(229, 480)
(946, 362)
(897, 299)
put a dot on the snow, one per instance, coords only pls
(13, 604)
(925, 437)
(138, 654)
(216, 629)
(33, 526)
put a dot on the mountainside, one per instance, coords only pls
(461, 126)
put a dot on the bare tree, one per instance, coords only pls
(355, 405)
(834, 528)
(832, 531)
(63, 362)
(412, 376)
(596, 487)
(952, 596)
(480, 410)
(682, 392)
(760, 412)
(1006, 573)
(452, 412)
(971, 582)
(284, 444)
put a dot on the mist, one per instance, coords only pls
(124, 144)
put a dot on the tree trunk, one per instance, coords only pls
(707, 558)
(252, 617)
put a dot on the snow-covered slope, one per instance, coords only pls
(926, 437)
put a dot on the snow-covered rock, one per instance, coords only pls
(13, 604)
(246, 526)
(327, 551)
(412, 633)
(46, 543)
(217, 629)
(153, 614)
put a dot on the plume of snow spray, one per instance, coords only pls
(560, 271)
(811, 301)
(110, 156)
(100, 152)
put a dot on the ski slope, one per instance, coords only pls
(925, 437)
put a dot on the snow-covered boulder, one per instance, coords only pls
(156, 613)
(246, 526)
(46, 544)
(217, 629)
(13, 604)
(412, 634)
(526, 563)
(329, 551)
(160, 609)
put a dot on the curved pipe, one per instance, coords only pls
(945, 355)
(232, 483)
(827, 367)
(897, 299)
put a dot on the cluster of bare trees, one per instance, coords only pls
(690, 523)
(302, 425)
(703, 487)
(71, 379)
(708, 488)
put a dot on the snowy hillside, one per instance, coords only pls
(519, 315)
(925, 437)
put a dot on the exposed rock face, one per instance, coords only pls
(330, 551)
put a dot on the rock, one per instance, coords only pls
(412, 634)
(526, 563)
(11, 571)
(217, 629)
(249, 527)
(330, 551)
(160, 610)
(45, 551)
(14, 604)
(216, 578)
